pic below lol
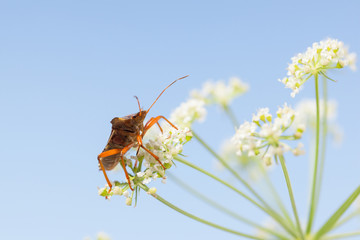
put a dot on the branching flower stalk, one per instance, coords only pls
(157, 197)
(232, 171)
(265, 139)
(268, 144)
(223, 209)
(271, 213)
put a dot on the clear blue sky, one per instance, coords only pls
(69, 67)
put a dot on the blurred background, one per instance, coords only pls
(69, 67)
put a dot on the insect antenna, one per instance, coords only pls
(164, 91)
(138, 104)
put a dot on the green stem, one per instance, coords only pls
(323, 143)
(329, 225)
(346, 219)
(291, 195)
(231, 115)
(223, 209)
(234, 173)
(275, 194)
(341, 235)
(315, 169)
(271, 213)
(145, 188)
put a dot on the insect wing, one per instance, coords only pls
(110, 162)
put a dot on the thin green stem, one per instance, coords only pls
(315, 169)
(329, 225)
(271, 213)
(231, 115)
(275, 194)
(291, 195)
(223, 209)
(341, 236)
(233, 172)
(323, 142)
(145, 188)
(346, 219)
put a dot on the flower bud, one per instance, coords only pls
(128, 201)
(151, 191)
(117, 191)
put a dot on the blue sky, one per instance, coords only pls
(69, 67)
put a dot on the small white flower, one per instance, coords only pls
(306, 117)
(253, 139)
(244, 140)
(140, 174)
(165, 146)
(101, 191)
(322, 56)
(262, 115)
(152, 191)
(299, 150)
(221, 93)
(117, 191)
(102, 236)
(268, 159)
(128, 201)
(307, 111)
(189, 112)
(126, 193)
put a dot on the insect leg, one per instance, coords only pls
(123, 151)
(146, 127)
(152, 121)
(107, 154)
(139, 139)
(113, 152)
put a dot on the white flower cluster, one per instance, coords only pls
(188, 112)
(307, 116)
(166, 146)
(100, 236)
(249, 166)
(264, 135)
(220, 93)
(323, 55)
(118, 189)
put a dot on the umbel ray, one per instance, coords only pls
(126, 133)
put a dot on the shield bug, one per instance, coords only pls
(126, 133)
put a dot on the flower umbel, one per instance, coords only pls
(220, 93)
(323, 55)
(264, 136)
(307, 116)
(165, 145)
(188, 112)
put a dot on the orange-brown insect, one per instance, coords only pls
(127, 132)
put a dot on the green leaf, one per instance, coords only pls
(336, 216)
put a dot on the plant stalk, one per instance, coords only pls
(291, 195)
(315, 169)
(145, 188)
